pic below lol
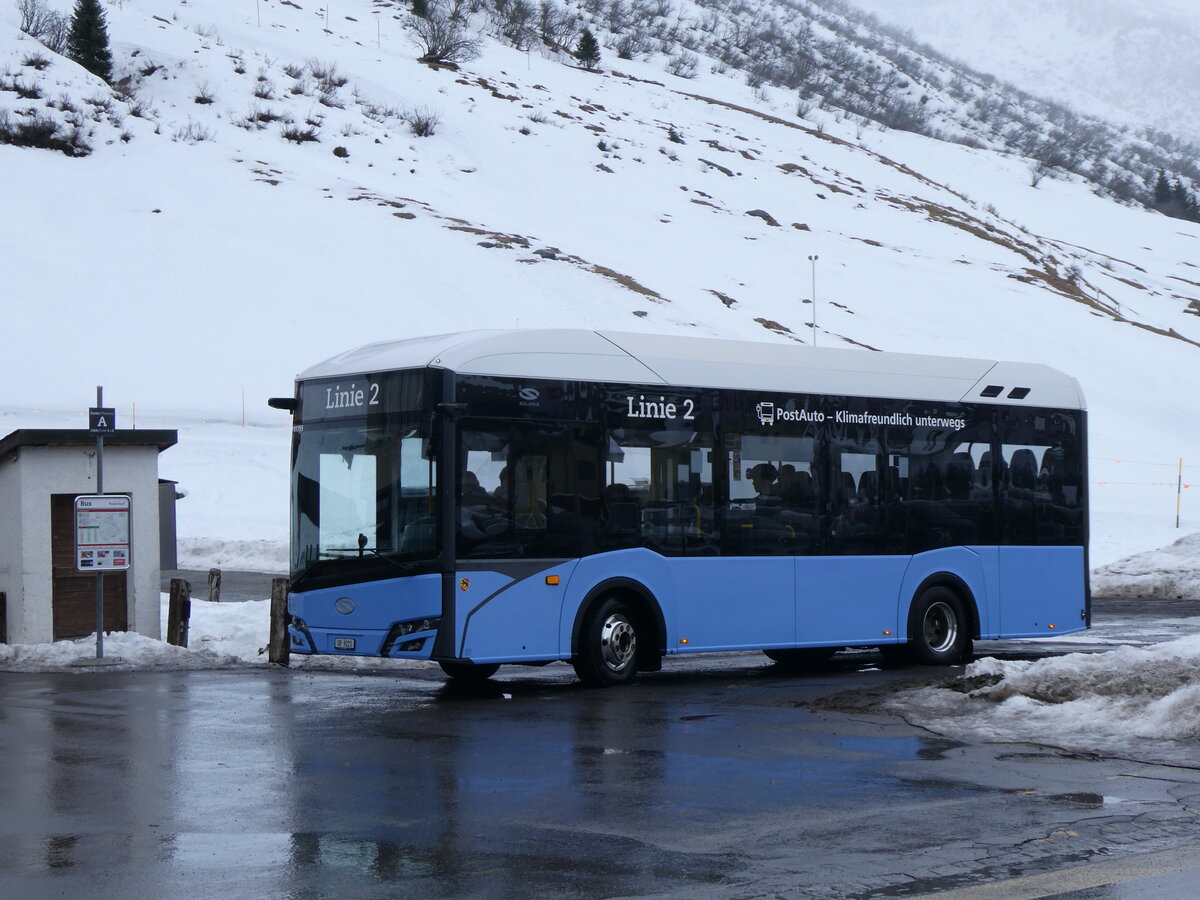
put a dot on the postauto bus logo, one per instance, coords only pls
(769, 414)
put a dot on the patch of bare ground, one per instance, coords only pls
(1184, 280)
(792, 168)
(1096, 253)
(729, 302)
(628, 282)
(720, 168)
(850, 340)
(1127, 281)
(772, 325)
(956, 218)
(494, 239)
(1052, 279)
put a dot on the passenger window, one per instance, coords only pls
(936, 489)
(773, 496)
(1037, 481)
(856, 524)
(659, 491)
(530, 490)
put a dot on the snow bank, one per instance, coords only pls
(1169, 573)
(220, 636)
(1107, 701)
(245, 556)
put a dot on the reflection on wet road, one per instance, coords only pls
(718, 777)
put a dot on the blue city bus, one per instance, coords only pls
(608, 499)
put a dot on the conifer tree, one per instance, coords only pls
(420, 8)
(1162, 191)
(587, 51)
(87, 41)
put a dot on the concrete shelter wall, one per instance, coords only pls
(11, 547)
(45, 471)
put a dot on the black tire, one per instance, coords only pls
(801, 659)
(608, 645)
(469, 673)
(939, 631)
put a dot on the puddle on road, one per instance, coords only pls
(922, 748)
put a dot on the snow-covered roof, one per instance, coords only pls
(634, 358)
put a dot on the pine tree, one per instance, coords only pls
(87, 42)
(587, 51)
(420, 8)
(1162, 191)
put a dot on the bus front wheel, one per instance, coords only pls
(939, 631)
(469, 673)
(608, 645)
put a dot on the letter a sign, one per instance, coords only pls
(102, 420)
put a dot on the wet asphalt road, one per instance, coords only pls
(719, 777)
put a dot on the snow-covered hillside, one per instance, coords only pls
(256, 199)
(1128, 62)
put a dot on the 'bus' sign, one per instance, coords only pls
(101, 532)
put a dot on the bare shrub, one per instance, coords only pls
(193, 133)
(33, 129)
(423, 121)
(329, 97)
(26, 90)
(515, 21)
(441, 39)
(299, 135)
(326, 74)
(683, 64)
(44, 24)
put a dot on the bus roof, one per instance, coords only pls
(684, 361)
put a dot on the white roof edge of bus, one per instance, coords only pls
(684, 361)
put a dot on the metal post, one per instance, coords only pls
(1178, 492)
(99, 574)
(813, 260)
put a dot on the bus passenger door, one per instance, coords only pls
(528, 507)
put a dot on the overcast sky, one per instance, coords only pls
(1134, 61)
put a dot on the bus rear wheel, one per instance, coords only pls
(938, 628)
(608, 645)
(469, 673)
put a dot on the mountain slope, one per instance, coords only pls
(1127, 62)
(199, 255)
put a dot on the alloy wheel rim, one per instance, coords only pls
(618, 642)
(940, 627)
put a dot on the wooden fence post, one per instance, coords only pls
(179, 612)
(214, 585)
(279, 647)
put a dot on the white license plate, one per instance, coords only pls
(343, 643)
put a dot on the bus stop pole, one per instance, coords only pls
(100, 573)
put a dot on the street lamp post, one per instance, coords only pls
(812, 258)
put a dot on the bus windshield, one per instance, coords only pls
(365, 497)
(364, 487)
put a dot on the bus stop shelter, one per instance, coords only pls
(43, 596)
